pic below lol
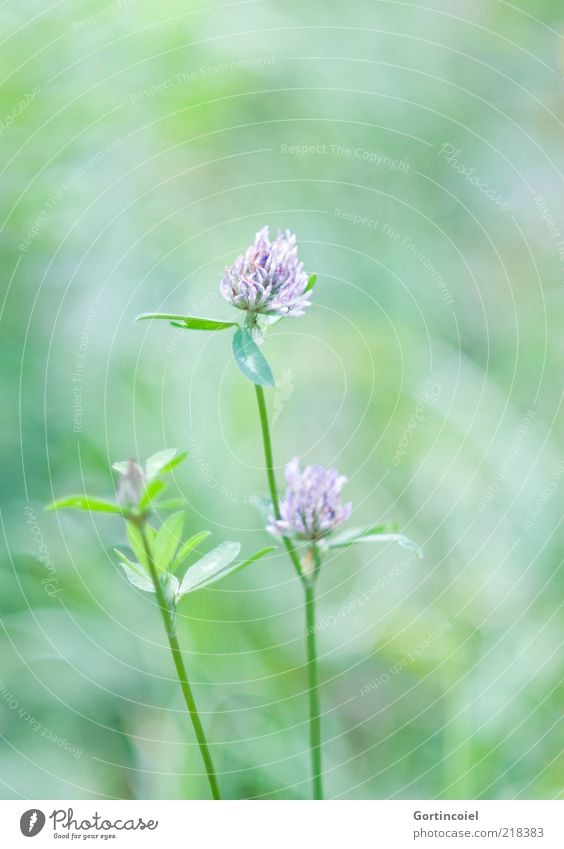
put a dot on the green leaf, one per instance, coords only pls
(151, 534)
(350, 535)
(189, 322)
(84, 502)
(158, 461)
(386, 528)
(132, 565)
(343, 538)
(151, 491)
(176, 461)
(213, 566)
(252, 559)
(188, 547)
(134, 574)
(167, 541)
(136, 542)
(172, 504)
(250, 359)
(216, 565)
(402, 540)
(163, 461)
(311, 283)
(142, 582)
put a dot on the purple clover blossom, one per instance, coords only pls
(312, 506)
(268, 279)
(131, 485)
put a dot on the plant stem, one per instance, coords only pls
(308, 585)
(314, 717)
(168, 620)
(270, 474)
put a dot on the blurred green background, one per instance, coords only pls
(416, 150)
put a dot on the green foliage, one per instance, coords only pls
(189, 322)
(377, 533)
(85, 502)
(215, 565)
(167, 541)
(212, 567)
(250, 359)
(135, 574)
(163, 462)
(188, 547)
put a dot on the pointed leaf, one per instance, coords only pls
(176, 461)
(163, 461)
(210, 568)
(172, 504)
(350, 535)
(252, 559)
(157, 461)
(189, 322)
(250, 359)
(84, 502)
(311, 282)
(151, 534)
(402, 540)
(386, 528)
(167, 540)
(132, 565)
(188, 547)
(135, 574)
(136, 543)
(227, 568)
(151, 491)
(142, 582)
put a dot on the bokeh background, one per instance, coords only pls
(416, 150)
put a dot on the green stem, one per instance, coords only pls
(270, 474)
(308, 585)
(169, 624)
(314, 717)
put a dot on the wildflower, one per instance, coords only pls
(267, 279)
(158, 553)
(312, 506)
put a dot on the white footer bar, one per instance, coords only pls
(284, 824)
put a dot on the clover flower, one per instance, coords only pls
(312, 506)
(268, 279)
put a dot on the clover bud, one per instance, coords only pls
(131, 485)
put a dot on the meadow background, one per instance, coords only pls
(416, 150)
